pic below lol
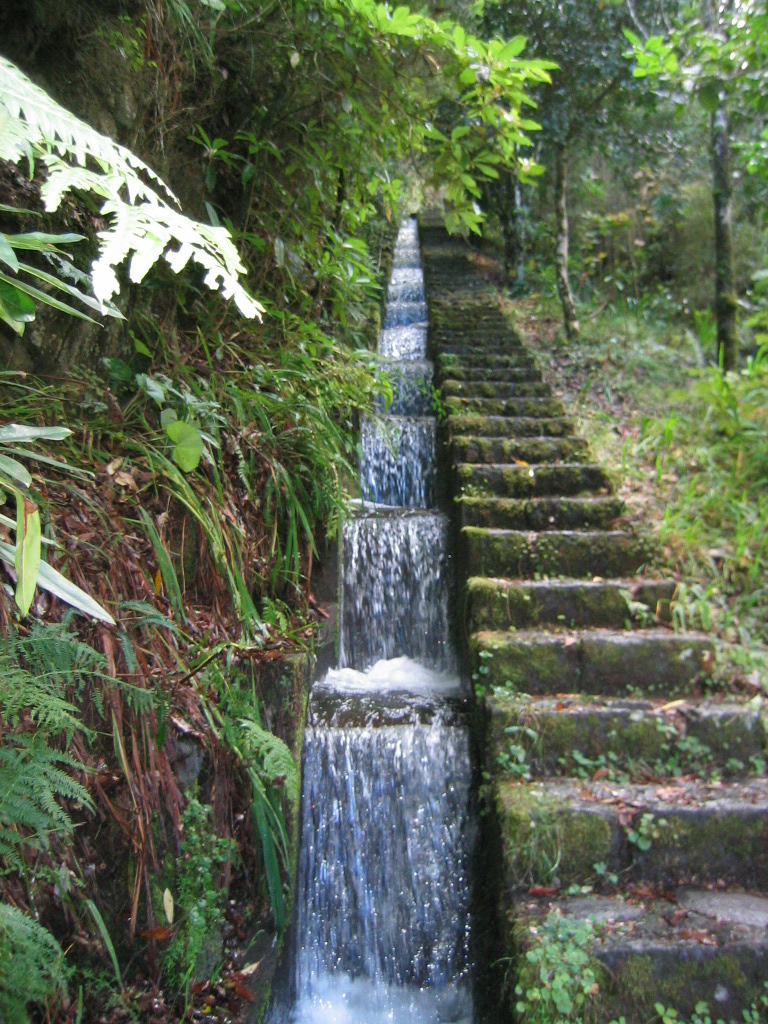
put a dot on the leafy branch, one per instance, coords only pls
(144, 222)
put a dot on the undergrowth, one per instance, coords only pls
(206, 557)
(687, 449)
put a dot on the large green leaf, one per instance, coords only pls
(51, 579)
(14, 470)
(27, 556)
(188, 448)
(40, 240)
(17, 304)
(19, 433)
(104, 308)
(7, 255)
(44, 297)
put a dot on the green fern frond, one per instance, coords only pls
(143, 224)
(33, 779)
(272, 757)
(32, 965)
(36, 672)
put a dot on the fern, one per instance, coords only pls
(31, 965)
(144, 219)
(33, 778)
(37, 670)
(272, 758)
(36, 673)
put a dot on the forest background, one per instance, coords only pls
(181, 399)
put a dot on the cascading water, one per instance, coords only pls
(382, 917)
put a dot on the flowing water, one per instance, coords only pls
(381, 930)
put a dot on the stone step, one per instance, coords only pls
(455, 372)
(532, 406)
(517, 450)
(482, 351)
(624, 737)
(494, 389)
(681, 831)
(541, 513)
(507, 481)
(678, 948)
(482, 359)
(507, 426)
(600, 661)
(499, 604)
(522, 554)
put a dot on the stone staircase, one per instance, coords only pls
(630, 797)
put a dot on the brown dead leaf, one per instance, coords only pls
(243, 992)
(123, 479)
(670, 792)
(158, 934)
(699, 935)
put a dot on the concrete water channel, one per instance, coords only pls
(383, 906)
(625, 799)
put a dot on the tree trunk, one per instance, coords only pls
(726, 300)
(513, 228)
(716, 17)
(570, 318)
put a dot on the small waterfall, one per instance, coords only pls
(395, 585)
(382, 920)
(412, 387)
(398, 464)
(404, 342)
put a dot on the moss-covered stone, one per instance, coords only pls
(655, 660)
(576, 554)
(499, 604)
(498, 388)
(542, 837)
(505, 406)
(450, 369)
(478, 425)
(529, 481)
(716, 842)
(527, 450)
(599, 661)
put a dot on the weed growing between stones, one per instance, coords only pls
(559, 978)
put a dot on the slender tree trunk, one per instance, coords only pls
(726, 300)
(570, 317)
(520, 217)
(513, 228)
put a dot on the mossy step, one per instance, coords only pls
(507, 481)
(508, 426)
(599, 661)
(532, 406)
(495, 389)
(682, 948)
(679, 832)
(575, 735)
(526, 450)
(455, 372)
(499, 603)
(482, 359)
(541, 513)
(522, 554)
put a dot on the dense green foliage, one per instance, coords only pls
(188, 478)
(188, 472)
